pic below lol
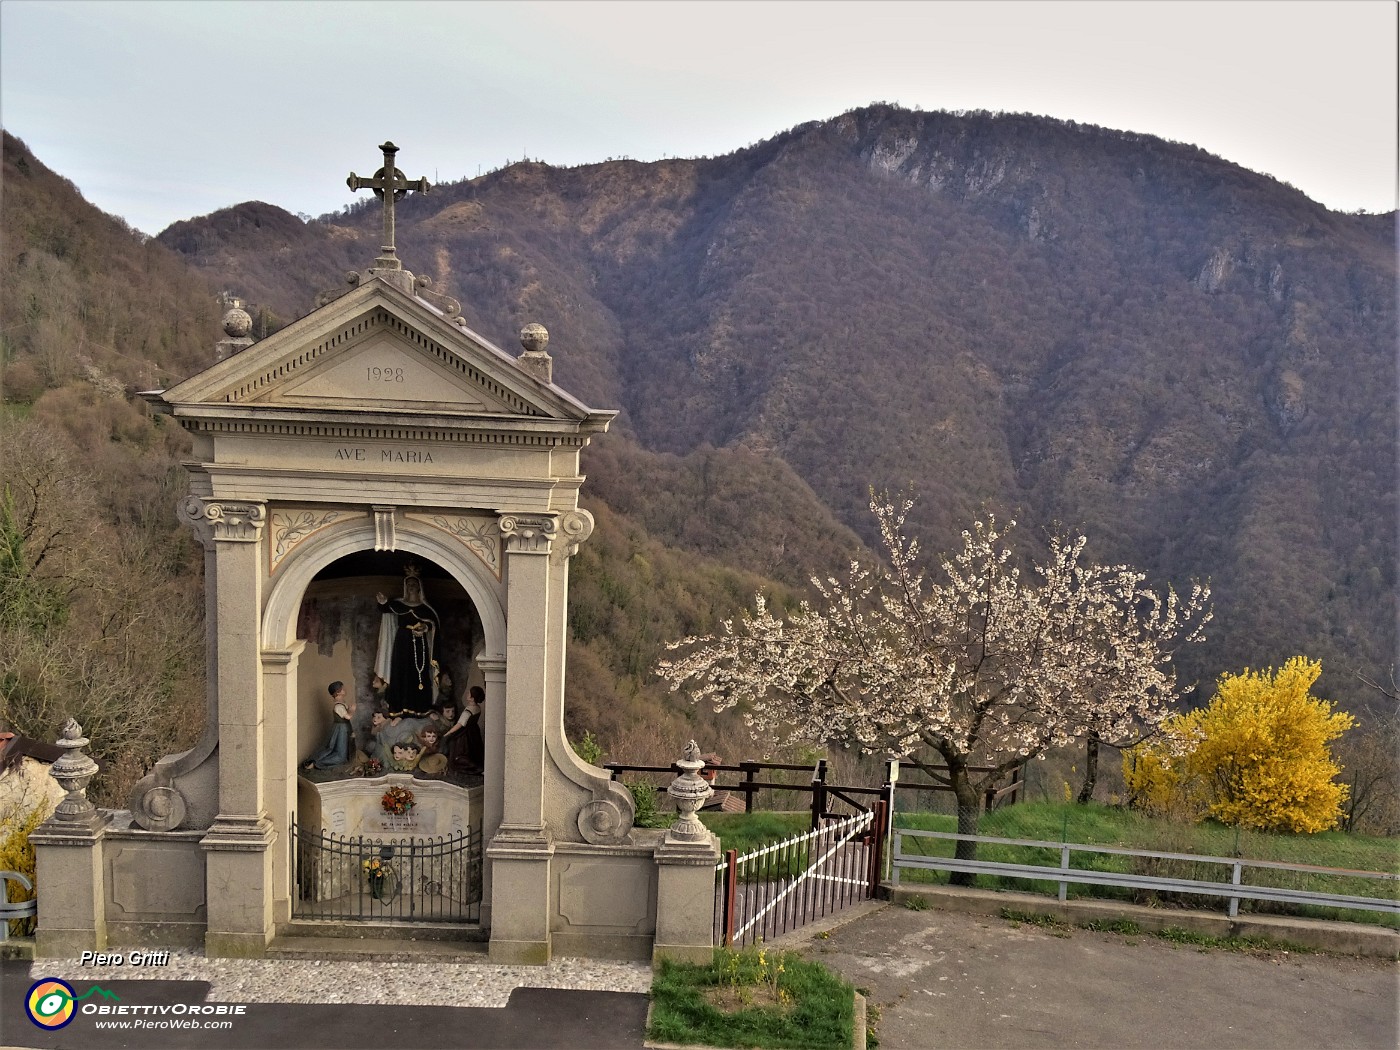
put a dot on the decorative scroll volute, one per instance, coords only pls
(575, 526)
(535, 533)
(223, 521)
(604, 821)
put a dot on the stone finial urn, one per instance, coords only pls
(73, 770)
(237, 325)
(534, 357)
(689, 791)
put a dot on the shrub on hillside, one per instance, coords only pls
(1256, 757)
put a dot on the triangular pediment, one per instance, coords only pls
(376, 350)
(384, 368)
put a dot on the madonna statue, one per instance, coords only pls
(408, 629)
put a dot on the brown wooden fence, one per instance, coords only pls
(822, 795)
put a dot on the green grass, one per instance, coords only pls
(1172, 934)
(1048, 923)
(1176, 935)
(1126, 927)
(1110, 826)
(819, 1015)
(746, 832)
(750, 831)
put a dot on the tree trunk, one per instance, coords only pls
(969, 812)
(1091, 768)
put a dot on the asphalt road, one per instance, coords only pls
(949, 981)
(534, 1019)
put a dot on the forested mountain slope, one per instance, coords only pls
(1192, 362)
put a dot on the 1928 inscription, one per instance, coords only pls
(385, 455)
(375, 374)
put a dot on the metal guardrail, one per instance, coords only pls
(13, 911)
(1234, 891)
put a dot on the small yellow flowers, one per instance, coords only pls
(1256, 757)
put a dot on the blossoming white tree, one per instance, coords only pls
(986, 666)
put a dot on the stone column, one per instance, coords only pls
(279, 675)
(521, 850)
(238, 882)
(72, 897)
(493, 794)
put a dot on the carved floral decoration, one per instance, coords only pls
(479, 535)
(291, 527)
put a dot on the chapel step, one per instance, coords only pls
(390, 942)
(382, 929)
(386, 949)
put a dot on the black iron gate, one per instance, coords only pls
(400, 879)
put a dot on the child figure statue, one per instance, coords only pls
(337, 750)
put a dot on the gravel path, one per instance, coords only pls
(367, 983)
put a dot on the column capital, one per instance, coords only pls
(282, 661)
(536, 533)
(242, 833)
(528, 533)
(223, 521)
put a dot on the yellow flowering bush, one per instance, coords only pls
(16, 852)
(1256, 757)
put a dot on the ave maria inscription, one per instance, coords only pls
(383, 455)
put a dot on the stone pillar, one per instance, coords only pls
(685, 900)
(685, 871)
(492, 797)
(72, 898)
(279, 674)
(522, 848)
(238, 881)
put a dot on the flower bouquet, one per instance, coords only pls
(372, 768)
(397, 801)
(375, 875)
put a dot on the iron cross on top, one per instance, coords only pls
(392, 179)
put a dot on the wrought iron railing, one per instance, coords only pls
(403, 879)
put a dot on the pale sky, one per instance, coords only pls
(161, 111)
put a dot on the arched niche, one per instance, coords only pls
(340, 624)
(302, 716)
(316, 553)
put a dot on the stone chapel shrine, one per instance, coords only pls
(388, 504)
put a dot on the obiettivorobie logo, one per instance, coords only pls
(51, 1003)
